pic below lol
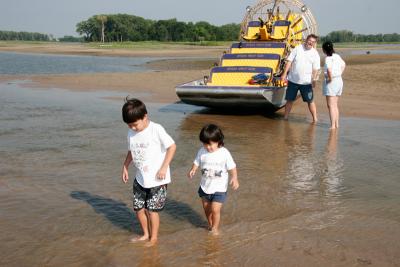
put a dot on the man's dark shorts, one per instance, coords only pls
(306, 91)
(152, 199)
(216, 197)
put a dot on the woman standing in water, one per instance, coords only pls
(333, 83)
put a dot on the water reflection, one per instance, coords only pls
(332, 178)
(302, 171)
(150, 257)
(212, 251)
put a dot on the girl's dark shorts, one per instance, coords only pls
(306, 91)
(216, 197)
(152, 199)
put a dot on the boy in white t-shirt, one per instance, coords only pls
(151, 150)
(216, 165)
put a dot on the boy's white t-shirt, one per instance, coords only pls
(336, 64)
(148, 149)
(214, 168)
(303, 63)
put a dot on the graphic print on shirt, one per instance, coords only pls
(210, 173)
(212, 170)
(139, 155)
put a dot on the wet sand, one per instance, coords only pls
(372, 88)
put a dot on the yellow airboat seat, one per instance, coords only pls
(254, 60)
(235, 76)
(280, 29)
(253, 30)
(256, 30)
(258, 47)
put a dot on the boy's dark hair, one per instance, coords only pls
(211, 132)
(133, 110)
(327, 47)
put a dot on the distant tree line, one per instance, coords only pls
(345, 36)
(123, 27)
(71, 39)
(24, 36)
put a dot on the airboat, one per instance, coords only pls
(248, 74)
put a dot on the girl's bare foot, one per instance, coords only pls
(139, 239)
(150, 243)
(214, 232)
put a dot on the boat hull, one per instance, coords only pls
(196, 93)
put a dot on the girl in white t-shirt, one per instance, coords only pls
(216, 165)
(333, 83)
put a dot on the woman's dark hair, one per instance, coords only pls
(211, 132)
(327, 48)
(133, 110)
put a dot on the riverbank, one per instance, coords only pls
(371, 88)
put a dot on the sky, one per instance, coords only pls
(59, 17)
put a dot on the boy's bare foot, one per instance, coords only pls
(139, 239)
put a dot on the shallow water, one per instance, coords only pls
(364, 51)
(306, 197)
(25, 63)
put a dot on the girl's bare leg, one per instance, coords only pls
(216, 216)
(331, 102)
(207, 212)
(337, 111)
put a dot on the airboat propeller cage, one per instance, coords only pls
(294, 6)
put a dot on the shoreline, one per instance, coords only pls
(371, 88)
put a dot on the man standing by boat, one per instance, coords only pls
(301, 70)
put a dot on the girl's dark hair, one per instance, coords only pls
(327, 47)
(211, 132)
(133, 110)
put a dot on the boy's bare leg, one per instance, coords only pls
(148, 222)
(154, 224)
(207, 211)
(143, 220)
(216, 217)
(288, 108)
(313, 110)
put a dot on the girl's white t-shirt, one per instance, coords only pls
(336, 64)
(214, 168)
(148, 149)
